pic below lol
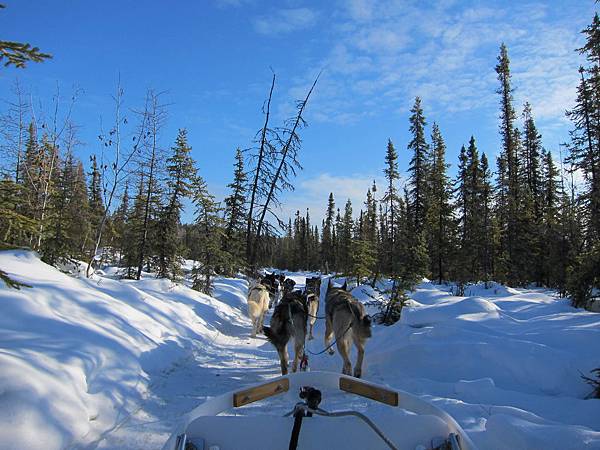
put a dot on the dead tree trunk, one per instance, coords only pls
(257, 174)
(278, 173)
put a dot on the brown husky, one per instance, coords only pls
(346, 318)
(288, 321)
(313, 293)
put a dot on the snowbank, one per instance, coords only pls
(505, 363)
(77, 355)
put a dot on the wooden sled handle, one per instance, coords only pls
(261, 392)
(366, 390)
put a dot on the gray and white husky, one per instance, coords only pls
(345, 317)
(288, 322)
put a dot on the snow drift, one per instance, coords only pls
(77, 356)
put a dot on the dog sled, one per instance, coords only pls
(311, 425)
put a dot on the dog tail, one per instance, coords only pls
(366, 325)
(364, 320)
(268, 332)
(278, 338)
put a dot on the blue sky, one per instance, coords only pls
(212, 58)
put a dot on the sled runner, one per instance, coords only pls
(307, 426)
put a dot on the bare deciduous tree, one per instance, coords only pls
(114, 165)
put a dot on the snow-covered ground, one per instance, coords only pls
(108, 364)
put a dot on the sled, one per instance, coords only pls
(421, 425)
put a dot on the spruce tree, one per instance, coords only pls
(584, 154)
(67, 214)
(418, 168)
(208, 253)
(474, 218)
(440, 221)
(233, 243)
(180, 174)
(471, 205)
(550, 232)
(410, 249)
(327, 238)
(530, 214)
(584, 147)
(532, 151)
(337, 232)
(96, 202)
(133, 230)
(501, 215)
(370, 219)
(371, 232)
(488, 231)
(362, 258)
(510, 153)
(15, 227)
(55, 246)
(391, 199)
(345, 233)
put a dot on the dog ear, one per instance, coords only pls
(367, 320)
(345, 285)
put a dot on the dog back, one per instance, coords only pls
(347, 309)
(258, 300)
(289, 319)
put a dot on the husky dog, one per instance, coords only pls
(346, 318)
(258, 304)
(288, 321)
(313, 292)
(271, 281)
(288, 285)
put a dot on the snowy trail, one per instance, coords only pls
(224, 363)
(113, 365)
(230, 359)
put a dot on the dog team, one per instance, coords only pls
(296, 310)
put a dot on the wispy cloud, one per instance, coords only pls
(394, 50)
(285, 21)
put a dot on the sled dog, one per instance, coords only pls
(313, 292)
(345, 318)
(288, 322)
(271, 281)
(258, 304)
(288, 285)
